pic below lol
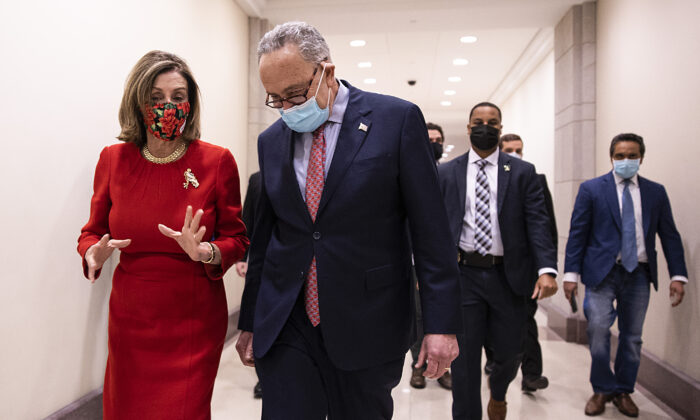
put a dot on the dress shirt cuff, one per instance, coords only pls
(547, 270)
(682, 279)
(572, 277)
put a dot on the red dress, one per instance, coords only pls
(167, 313)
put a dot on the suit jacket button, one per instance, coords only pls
(317, 235)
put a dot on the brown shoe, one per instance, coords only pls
(596, 404)
(496, 410)
(445, 380)
(624, 403)
(417, 378)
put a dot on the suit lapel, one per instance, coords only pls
(289, 177)
(503, 178)
(350, 139)
(611, 198)
(460, 174)
(645, 193)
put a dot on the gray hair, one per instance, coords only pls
(312, 47)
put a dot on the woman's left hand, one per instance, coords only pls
(190, 238)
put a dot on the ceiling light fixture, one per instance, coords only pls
(364, 64)
(358, 43)
(370, 81)
(450, 92)
(460, 61)
(454, 79)
(446, 103)
(467, 39)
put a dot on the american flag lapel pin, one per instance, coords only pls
(506, 167)
(362, 127)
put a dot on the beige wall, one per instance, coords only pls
(647, 83)
(62, 74)
(529, 112)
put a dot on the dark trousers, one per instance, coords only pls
(531, 366)
(489, 309)
(301, 383)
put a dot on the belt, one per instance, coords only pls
(641, 264)
(473, 259)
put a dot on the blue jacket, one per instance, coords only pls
(596, 230)
(381, 180)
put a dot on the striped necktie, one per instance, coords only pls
(482, 218)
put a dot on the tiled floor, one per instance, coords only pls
(566, 365)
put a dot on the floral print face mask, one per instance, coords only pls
(166, 121)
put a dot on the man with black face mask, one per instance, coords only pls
(500, 229)
(437, 140)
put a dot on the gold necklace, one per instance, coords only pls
(161, 161)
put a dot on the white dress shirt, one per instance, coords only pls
(466, 239)
(638, 226)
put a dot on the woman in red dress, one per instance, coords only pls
(167, 311)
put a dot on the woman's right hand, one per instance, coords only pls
(97, 254)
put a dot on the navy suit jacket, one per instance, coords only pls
(596, 230)
(381, 179)
(522, 217)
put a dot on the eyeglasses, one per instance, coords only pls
(296, 99)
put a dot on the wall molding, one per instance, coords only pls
(531, 57)
(90, 405)
(253, 8)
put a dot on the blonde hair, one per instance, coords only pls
(137, 95)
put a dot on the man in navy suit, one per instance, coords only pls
(531, 364)
(501, 233)
(612, 248)
(327, 311)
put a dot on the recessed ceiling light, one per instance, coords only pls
(364, 64)
(454, 79)
(370, 81)
(450, 92)
(358, 43)
(468, 39)
(445, 103)
(460, 61)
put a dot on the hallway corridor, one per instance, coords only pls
(565, 364)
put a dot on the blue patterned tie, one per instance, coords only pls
(629, 236)
(482, 218)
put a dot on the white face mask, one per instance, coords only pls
(515, 155)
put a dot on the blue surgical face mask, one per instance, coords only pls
(515, 155)
(626, 168)
(308, 116)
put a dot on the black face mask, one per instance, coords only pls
(484, 137)
(437, 150)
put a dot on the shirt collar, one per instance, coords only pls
(619, 180)
(340, 104)
(492, 159)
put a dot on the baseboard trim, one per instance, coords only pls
(568, 326)
(672, 387)
(87, 407)
(90, 405)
